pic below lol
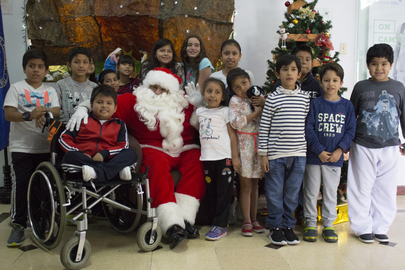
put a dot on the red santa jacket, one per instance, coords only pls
(107, 139)
(138, 129)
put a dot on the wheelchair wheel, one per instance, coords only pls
(69, 251)
(46, 212)
(144, 235)
(121, 220)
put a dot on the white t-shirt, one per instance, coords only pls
(220, 76)
(214, 137)
(25, 136)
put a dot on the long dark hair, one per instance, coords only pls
(186, 60)
(153, 62)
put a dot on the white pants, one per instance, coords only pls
(372, 188)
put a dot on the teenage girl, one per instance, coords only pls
(219, 150)
(231, 54)
(245, 119)
(163, 55)
(109, 77)
(91, 75)
(197, 66)
(125, 68)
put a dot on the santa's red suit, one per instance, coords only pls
(168, 143)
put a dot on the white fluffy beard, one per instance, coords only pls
(165, 109)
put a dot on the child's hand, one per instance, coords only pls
(336, 155)
(40, 121)
(402, 149)
(264, 164)
(324, 156)
(258, 101)
(258, 110)
(236, 164)
(98, 157)
(38, 111)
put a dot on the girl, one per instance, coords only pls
(218, 146)
(197, 66)
(245, 119)
(91, 75)
(163, 55)
(125, 68)
(109, 77)
(230, 57)
(112, 59)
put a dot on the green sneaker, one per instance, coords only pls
(310, 234)
(329, 235)
(16, 235)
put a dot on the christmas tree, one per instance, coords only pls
(302, 25)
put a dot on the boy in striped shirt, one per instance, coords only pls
(282, 148)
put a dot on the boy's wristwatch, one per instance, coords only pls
(26, 116)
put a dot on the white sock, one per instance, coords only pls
(88, 173)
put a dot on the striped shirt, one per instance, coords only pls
(282, 127)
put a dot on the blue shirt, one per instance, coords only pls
(190, 75)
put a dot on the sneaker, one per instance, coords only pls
(290, 236)
(16, 235)
(247, 229)
(125, 174)
(329, 235)
(277, 237)
(310, 234)
(257, 228)
(382, 238)
(366, 238)
(215, 233)
(88, 173)
(232, 214)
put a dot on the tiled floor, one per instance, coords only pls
(111, 250)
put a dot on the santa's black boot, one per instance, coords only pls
(191, 230)
(176, 234)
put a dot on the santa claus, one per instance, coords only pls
(159, 116)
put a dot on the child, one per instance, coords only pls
(112, 59)
(329, 131)
(109, 77)
(245, 119)
(77, 88)
(282, 148)
(372, 174)
(308, 82)
(198, 67)
(100, 148)
(91, 75)
(219, 150)
(163, 55)
(26, 101)
(125, 68)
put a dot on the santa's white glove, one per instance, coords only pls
(76, 119)
(194, 95)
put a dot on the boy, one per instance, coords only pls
(379, 105)
(329, 131)
(100, 149)
(308, 82)
(125, 68)
(77, 88)
(26, 101)
(283, 148)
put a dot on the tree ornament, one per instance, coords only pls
(315, 12)
(287, 4)
(308, 31)
(327, 34)
(283, 37)
(295, 21)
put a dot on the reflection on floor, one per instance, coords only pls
(112, 250)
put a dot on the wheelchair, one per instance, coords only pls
(55, 197)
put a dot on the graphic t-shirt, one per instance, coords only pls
(25, 136)
(379, 108)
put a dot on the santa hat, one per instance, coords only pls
(163, 77)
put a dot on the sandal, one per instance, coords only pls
(310, 234)
(257, 228)
(247, 229)
(329, 235)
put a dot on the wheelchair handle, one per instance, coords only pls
(48, 119)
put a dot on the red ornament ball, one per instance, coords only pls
(315, 11)
(308, 31)
(287, 4)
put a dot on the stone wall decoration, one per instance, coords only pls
(102, 25)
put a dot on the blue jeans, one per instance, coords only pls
(283, 183)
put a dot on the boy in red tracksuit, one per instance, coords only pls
(100, 148)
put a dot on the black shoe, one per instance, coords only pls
(191, 230)
(366, 238)
(292, 238)
(382, 238)
(277, 237)
(176, 234)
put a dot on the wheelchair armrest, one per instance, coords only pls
(134, 144)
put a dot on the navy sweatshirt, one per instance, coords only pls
(310, 85)
(329, 126)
